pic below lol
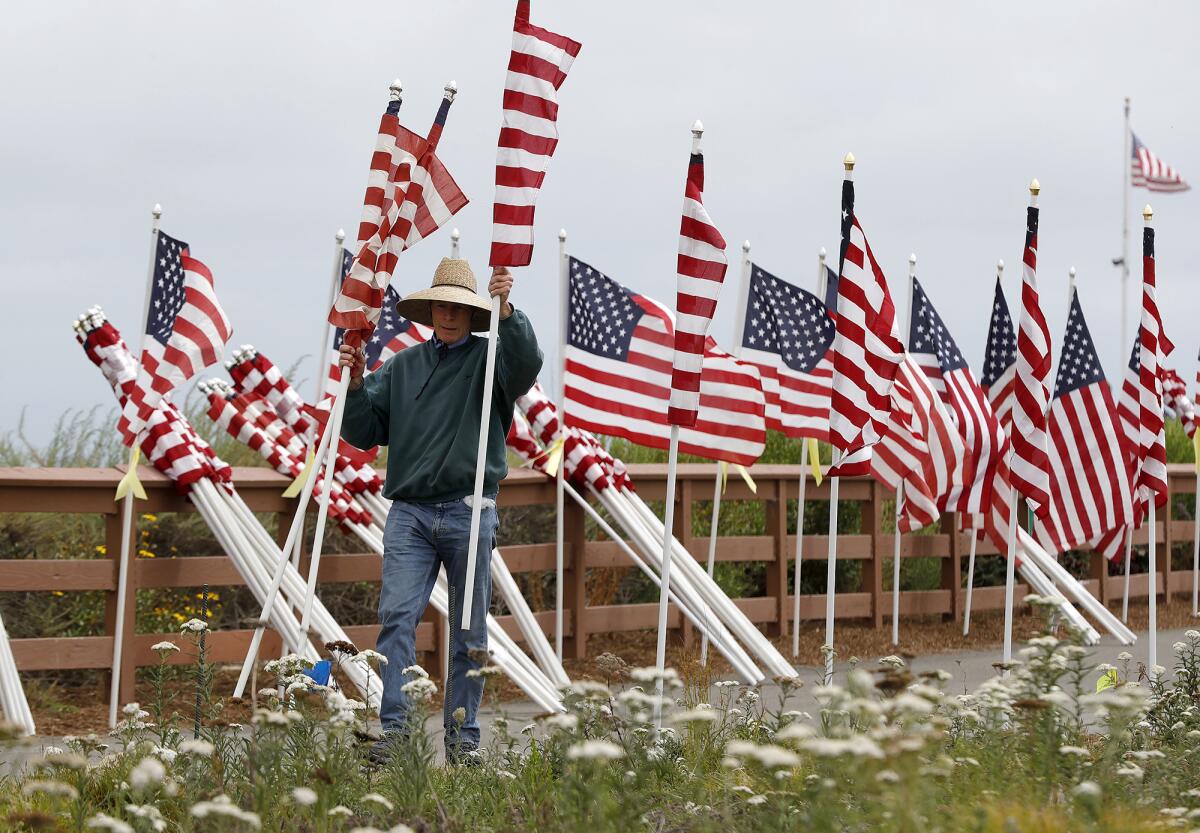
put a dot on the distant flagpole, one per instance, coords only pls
(912, 274)
(798, 555)
(564, 299)
(1125, 189)
(127, 502)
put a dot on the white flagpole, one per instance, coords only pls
(564, 277)
(912, 274)
(831, 553)
(1125, 188)
(739, 329)
(127, 505)
(1010, 568)
(1128, 558)
(1152, 577)
(975, 532)
(454, 238)
(664, 587)
(1196, 549)
(798, 555)
(485, 422)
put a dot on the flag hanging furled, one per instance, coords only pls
(788, 336)
(701, 269)
(537, 67)
(999, 378)
(393, 332)
(1150, 463)
(933, 349)
(1089, 473)
(618, 375)
(866, 350)
(1148, 171)
(410, 194)
(1176, 402)
(1030, 465)
(186, 331)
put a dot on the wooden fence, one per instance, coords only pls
(90, 491)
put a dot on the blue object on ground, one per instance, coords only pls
(320, 671)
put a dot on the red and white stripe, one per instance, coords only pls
(701, 266)
(537, 66)
(1149, 172)
(867, 355)
(1030, 464)
(628, 398)
(1176, 396)
(198, 337)
(1150, 464)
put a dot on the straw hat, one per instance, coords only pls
(454, 282)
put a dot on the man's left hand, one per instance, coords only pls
(499, 286)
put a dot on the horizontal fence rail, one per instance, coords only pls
(91, 490)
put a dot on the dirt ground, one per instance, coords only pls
(61, 709)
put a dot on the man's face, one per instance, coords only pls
(450, 321)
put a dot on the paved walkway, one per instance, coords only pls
(968, 668)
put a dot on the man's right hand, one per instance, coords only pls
(354, 359)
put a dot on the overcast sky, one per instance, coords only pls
(252, 124)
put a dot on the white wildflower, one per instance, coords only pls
(165, 647)
(223, 805)
(147, 773)
(887, 776)
(651, 674)
(891, 661)
(504, 773)
(376, 798)
(595, 750)
(367, 656)
(1078, 751)
(55, 757)
(1193, 636)
(769, 755)
(52, 788)
(304, 796)
(796, 731)
(341, 810)
(193, 626)
(705, 714)
(167, 756)
(417, 671)
(589, 690)
(150, 813)
(1087, 790)
(726, 684)
(367, 829)
(134, 710)
(485, 671)
(1124, 656)
(858, 745)
(756, 799)
(564, 722)
(1145, 754)
(420, 689)
(195, 746)
(103, 821)
(1132, 771)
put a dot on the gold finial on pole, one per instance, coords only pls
(1147, 213)
(849, 161)
(1035, 187)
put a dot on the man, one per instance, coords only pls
(424, 405)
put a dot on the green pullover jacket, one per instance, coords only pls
(424, 405)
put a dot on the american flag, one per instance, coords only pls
(701, 268)
(1177, 403)
(999, 378)
(1030, 465)
(618, 375)
(537, 67)
(1089, 472)
(1150, 464)
(393, 332)
(1148, 171)
(933, 348)
(866, 350)
(410, 194)
(186, 331)
(788, 336)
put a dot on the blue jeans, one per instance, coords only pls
(418, 539)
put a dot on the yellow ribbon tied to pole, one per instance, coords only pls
(1196, 447)
(553, 455)
(814, 460)
(723, 467)
(302, 478)
(130, 483)
(1108, 679)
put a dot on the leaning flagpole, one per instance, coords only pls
(664, 587)
(805, 442)
(564, 296)
(912, 274)
(1152, 575)
(132, 487)
(739, 331)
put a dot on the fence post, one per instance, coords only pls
(777, 570)
(682, 529)
(1098, 570)
(575, 593)
(112, 547)
(872, 573)
(952, 567)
